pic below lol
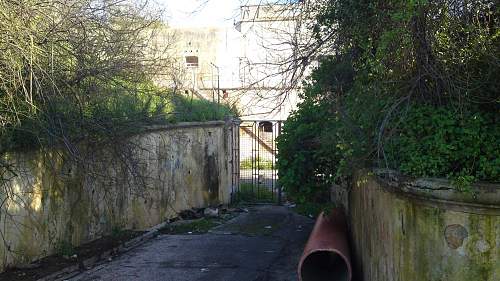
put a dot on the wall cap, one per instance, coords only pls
(182, 125)
(441, 191)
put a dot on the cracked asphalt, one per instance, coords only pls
(263, 244)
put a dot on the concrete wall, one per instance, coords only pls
(424, 230)
(133, 183)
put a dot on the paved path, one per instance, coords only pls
(262, 245)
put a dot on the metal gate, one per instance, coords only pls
(255, 150)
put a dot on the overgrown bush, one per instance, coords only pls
(118, 114)
(307, 154)
(439, 141)
(84, 70)
(192, 109)
(408, 85)
(69, 70)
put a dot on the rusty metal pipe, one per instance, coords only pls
(326, 255)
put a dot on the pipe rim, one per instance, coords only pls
(339, 253)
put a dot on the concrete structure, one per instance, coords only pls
(413, 230)
(133, 184)
(242, 65)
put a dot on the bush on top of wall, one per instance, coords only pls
(407, 85)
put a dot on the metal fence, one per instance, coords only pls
(256, 154)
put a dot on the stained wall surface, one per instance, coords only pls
(53, 199)
(424, 230)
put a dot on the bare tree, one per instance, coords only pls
(62, 64)
(279, 51)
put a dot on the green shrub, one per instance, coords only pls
(191, 109)
(409, 85)
(249, 193)
(117, 111)
(313, 209)
(439, 141)
(261, 164)
(305, 163)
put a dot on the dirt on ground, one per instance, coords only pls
(263, 242)
(54, 263)
(271, 237)
(193, 221)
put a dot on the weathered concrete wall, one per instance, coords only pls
(134, 183)
(423, 230)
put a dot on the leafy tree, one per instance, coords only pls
(409, 85)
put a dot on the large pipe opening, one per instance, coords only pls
(324, 266)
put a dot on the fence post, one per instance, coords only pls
(280, 200)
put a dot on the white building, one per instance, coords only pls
(245, 64)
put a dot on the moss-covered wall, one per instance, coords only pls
(406, 232)
(52, 200)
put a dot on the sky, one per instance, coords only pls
(191, 13)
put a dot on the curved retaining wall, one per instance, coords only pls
(134, 183)
(422, 230)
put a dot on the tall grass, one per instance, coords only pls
(193, 109)
(116, 112)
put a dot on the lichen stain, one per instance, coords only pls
(27, 249)
(65, 204)
(79, 207)
(211, 174)
(138, 214)
(397, 238)
(482, 260)
(455, 235)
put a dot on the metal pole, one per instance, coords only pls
(218, 86)
(257, 125)
(280, 198)
(213, 104)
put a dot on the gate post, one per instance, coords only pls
(234, 125)
(278, 185)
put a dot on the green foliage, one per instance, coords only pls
(114, 112)
(408, 85)
(306, 160)
(248, 194)
(438, 141)
(320, 140)
(313, 209)
(191, 109)
(199, 226)
(261, 164)
(440, 52)
(62, 82)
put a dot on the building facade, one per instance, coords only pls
(247, 65)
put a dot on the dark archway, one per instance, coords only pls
(266, 126)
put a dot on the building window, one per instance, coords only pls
(266, 126)
(192, 61)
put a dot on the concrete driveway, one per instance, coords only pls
(263, 244)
